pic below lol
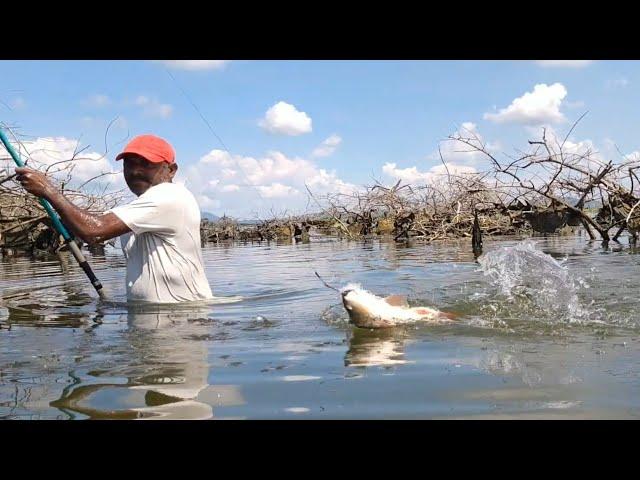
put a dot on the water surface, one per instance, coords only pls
(538, 336)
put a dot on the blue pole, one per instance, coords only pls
(57, 223)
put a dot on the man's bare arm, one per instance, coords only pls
(89, 227)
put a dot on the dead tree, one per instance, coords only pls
(24, 224)
(562, 184)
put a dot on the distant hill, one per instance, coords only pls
(213, 217)
(209, 216)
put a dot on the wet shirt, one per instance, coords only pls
(163, 252)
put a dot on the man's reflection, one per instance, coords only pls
(167, 370)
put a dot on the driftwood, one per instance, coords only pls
(291, 229)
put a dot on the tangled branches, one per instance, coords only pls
(24, 225)
(553, 185)
(560, 183)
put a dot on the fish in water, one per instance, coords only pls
(367, 310)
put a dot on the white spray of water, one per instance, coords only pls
(526, 275)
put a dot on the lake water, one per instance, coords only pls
(547, 328)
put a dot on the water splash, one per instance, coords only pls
(534, 281)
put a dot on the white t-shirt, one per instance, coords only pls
(164, 257)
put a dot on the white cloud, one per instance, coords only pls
(195, 65)
(283, 118)
(469, 127)
(434, 175)
(611, 150)
(328, 146)
(153, 108)
(542, 105)
(329, 182)
(407, 175)
(277, 190)
(244, 184)
(219, 158)
(451, 169)
(633, 157)
(564, 63)
(46, 151)
(456, 152)
(593, 159)
(459, 158)
(207, 203)
(228, 173)
(555, 140)
(97, 101)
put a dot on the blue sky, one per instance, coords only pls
(273, 116)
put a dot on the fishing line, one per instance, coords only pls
(246, 177)
(326, 284)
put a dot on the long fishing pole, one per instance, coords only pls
(57, 224)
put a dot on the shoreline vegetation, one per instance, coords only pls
(553, 187)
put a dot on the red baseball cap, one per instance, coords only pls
(151, 148)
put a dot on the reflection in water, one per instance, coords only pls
(69, 306)
(166, 373)
(280, 350)
(508, 356)
(375, 347)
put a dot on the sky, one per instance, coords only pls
(250, 136)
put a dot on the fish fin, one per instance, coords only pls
(397, 300)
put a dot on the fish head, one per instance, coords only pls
(360, 314)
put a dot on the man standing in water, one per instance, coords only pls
(159, 231)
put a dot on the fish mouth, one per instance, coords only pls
(344, 300)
